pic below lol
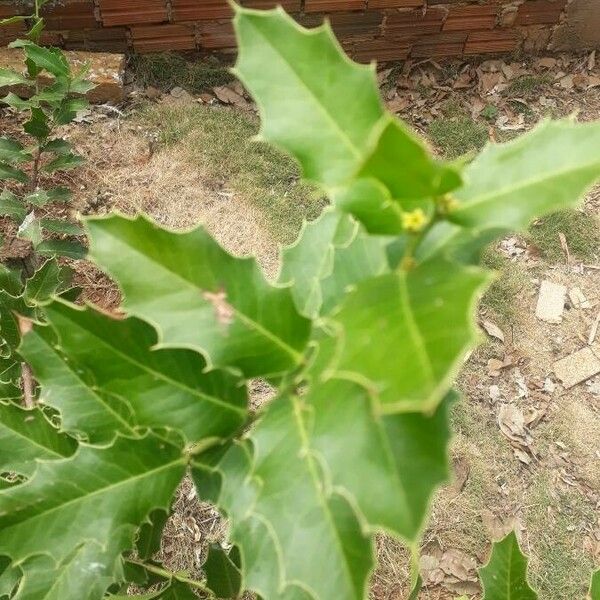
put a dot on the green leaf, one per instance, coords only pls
(10, 279)
(58, 146)
(44, 282)
(595, 586)
(331, 254)
(64, 162)
(323, 107)
(13, 20)
(30, 229)
(35, 32)
(150, 534)
(175, 590)
(17, 103)
(404, 454)
(210, 301)
(103, 376)
(37, 126)
(406, 333)
(68, 110)
(59, 194)
(547, 169)
(43, 197)
(9, 172)
(84, 574)
(401, 162)
(12, 151)
(505, 575)
(49, 59)
(9, 574)
(11, 206)
(10, 77)
(100, 495)
(68, 248)
(370, 202)
(10, 335)
(55, 93)
(61, 226)
(26, 436)
(291, 528)
(222, 570)
(81, 86)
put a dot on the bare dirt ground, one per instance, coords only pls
(526, 451)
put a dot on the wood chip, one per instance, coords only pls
(577, 367)
(551, 302)
(578, 299)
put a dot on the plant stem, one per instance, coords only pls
(165, 573)
(27, 378)
(35, 174)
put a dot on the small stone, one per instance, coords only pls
(577, 367)
(578, 299)
(152, 93)
(495, 393)
(551, 302)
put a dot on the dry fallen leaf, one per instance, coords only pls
(462, 469)
(494, 366)
(493, 330)
(496, 526)
(229, 96)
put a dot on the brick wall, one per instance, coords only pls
(368, 29)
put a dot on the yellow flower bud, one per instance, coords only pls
(446, 203)
(414, 221)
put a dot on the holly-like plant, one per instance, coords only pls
(362, 336)
(54, 96)
(48, 96)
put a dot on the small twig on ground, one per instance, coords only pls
(594, 330)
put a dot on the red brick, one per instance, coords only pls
(290, 6)
(381, 49)
(217, 35)
(132, 12)
(333, 5)
(441, 44)
(160, 38)
(76, 14)
(538, 12)
(410, 24)
(465, 18)
(375, 4)
(113, 39)
(191, 10)
(497, 40)
(349, 24)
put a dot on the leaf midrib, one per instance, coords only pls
(33, 442)
(306, 447)
(296, 356)
(93, 392)
(414, 330)
(328, 116)
(180, 461)
(468, 204)
(160, 375)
